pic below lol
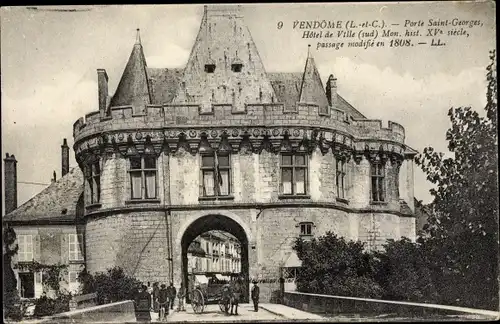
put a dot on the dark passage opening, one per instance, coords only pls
(204, 226)
(27, 281)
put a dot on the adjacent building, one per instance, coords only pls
(224, 145)
(214, 251)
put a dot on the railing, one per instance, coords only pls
(342, 305)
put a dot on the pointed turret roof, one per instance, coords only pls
(133, 88)
(312, 90)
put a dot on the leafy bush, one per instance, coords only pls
(110, 286)
(45, 306)
(403, 271)
(13, 309)
(333, 266)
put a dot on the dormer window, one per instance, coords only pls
(210, 68)
(236, 67)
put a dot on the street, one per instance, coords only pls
(213, 313)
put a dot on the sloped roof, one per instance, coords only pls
(133, 88)
(287, 88)
(293, 261)
(223, 40)
(164, 84)
(59, 202)
(312, 89)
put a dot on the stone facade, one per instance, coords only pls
(48, 244)
(147, 188)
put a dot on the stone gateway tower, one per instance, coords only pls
(224, 145)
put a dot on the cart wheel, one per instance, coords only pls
(197, 302)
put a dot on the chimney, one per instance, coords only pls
(331, 91)
(10, 178)
(102, 84)
(53, 180)
(64, 158)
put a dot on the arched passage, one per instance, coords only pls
(221, 223)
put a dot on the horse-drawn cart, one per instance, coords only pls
(207, 289)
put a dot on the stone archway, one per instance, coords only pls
(219, 222)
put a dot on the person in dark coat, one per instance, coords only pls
(172, 292)
(255, 296)
(142, 304)
(156, 289)
(163, 302)
(236, 290)
(180, 298)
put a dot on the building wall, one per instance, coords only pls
(50, 246)
(216, 259)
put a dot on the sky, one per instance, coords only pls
(49, 61)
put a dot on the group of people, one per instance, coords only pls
(157, 299)
(160, 299)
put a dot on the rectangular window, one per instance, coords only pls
(93, 176)
(340, 179)
(293, 174)
(306, 229)
(216, 175)
(143, 173)
(25, 252)
(378, 186)
(75, 252)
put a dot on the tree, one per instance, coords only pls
(463, 227)
(403, 270)
(331, 265)
(12, 303)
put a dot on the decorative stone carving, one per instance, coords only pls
(183, 143)
(245, 145)
(237, 140)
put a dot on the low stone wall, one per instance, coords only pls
(341, 305)
(119, 312)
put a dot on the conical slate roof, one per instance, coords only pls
(133, 88)
(312, 90)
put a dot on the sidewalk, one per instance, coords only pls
(289, 312)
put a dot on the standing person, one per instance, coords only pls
(180, 298)
(236, 296)
(162, 303)
(156, 290)
(255, 296)
(142, 305)
(171, 295)
(149, 289)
